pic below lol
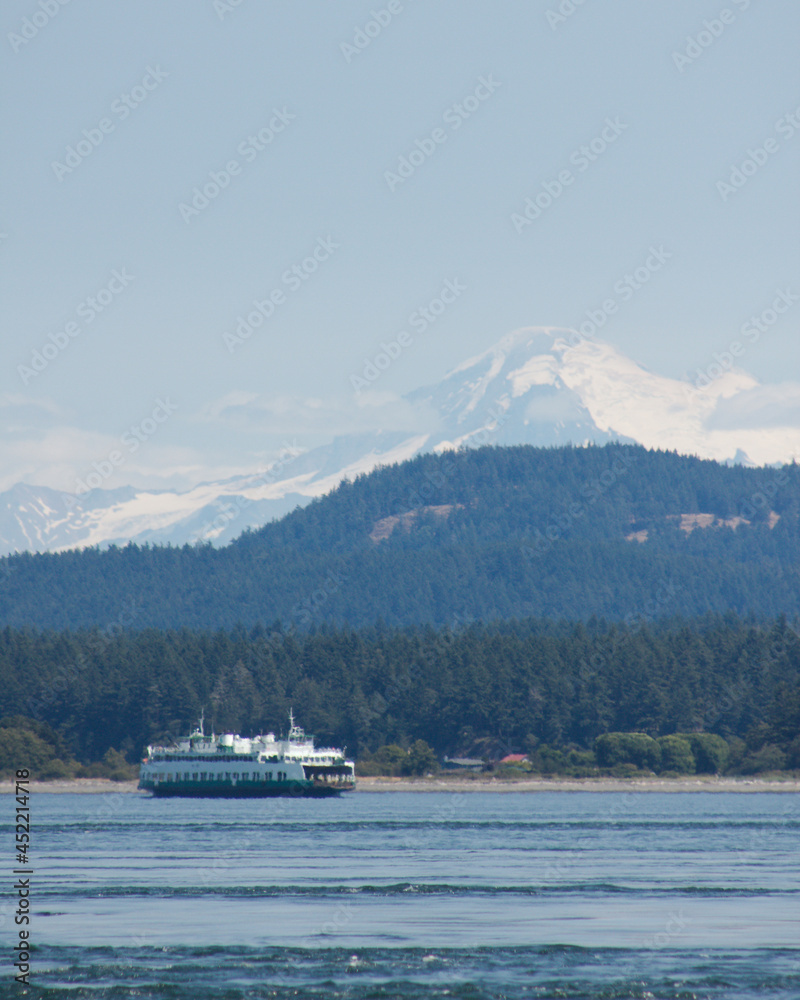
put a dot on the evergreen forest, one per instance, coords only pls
(598, 610)
(541, 688)
(474, 535)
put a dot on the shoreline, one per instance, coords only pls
(379, 785)
(690, 783)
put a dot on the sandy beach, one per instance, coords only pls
(699, 783)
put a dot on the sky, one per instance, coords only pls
(217, 215)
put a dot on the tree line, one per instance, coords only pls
(560, 692)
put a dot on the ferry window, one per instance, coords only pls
(186, 776)
(203, 776)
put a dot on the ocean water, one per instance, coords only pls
(458, 895)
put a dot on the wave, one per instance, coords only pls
(238, 972)
(411, 888)
(122, 826)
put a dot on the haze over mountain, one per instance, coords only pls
(539, 386)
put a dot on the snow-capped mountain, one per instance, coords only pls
(540, 386)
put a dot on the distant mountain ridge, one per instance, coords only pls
(539, 386)
(479, 534)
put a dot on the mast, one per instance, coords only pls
(295, 732)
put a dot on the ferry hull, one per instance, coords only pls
(214, 790)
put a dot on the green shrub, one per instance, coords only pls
(54, 770)
(710, 752)
(626, 770)
(421, 759)
(581, 760)
(549, 760)
(676, 755)
(793, 753)
(23, 748)
(768, 758)
(394, 761)
(638, 749)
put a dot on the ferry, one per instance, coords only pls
(233, 766)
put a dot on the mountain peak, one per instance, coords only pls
(537, 385)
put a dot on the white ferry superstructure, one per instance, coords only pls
(232, 766)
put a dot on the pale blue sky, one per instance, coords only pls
(203, 77)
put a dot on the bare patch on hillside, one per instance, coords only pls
(691, 521)
(688, 523)
(382, 529)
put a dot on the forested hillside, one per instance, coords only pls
(487, 690)
(494, 533)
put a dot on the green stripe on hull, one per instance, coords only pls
(241, 790)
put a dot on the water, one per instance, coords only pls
(465, 895)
